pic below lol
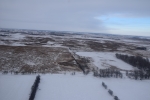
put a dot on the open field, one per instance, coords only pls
(14, 87)
(104, 60)
(61, 58)
(35, 59)
(49, 52)
(72, 87)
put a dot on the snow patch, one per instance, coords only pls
(17, 36)
(105, 60)
(30, 63)
(16, 87)
(72, 87)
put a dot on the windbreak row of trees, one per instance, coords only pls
(108, 73)
(23, 72)
(138, 75)
(34, 88)
(110, 91)
(136, 61)
(83, 66)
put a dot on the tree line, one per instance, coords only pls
(110, 91)
(108, 73)
(138, 74)
(136, 61)
(34, 88)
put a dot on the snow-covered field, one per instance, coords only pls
(15, 87)
(105, 60)
(25, 51)
(72, 87)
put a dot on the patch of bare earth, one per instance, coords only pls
(36, 59)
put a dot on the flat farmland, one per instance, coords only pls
(36, 59)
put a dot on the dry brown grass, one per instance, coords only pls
(39, 59)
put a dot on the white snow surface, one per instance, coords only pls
(81, 87)
(103, 60)
(51, 43)
(69, 87)
(72, 87)
(30, 63)
(17, 44)
(18, 36)
(16, 87)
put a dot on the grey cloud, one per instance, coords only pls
(71, 15)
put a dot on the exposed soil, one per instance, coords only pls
(35, 59)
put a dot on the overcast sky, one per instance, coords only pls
(130, 17)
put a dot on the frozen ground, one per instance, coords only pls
(72, 87)
(105, 60)
(68, 87)
(24, 46)
(77, 42)
(15, 87)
